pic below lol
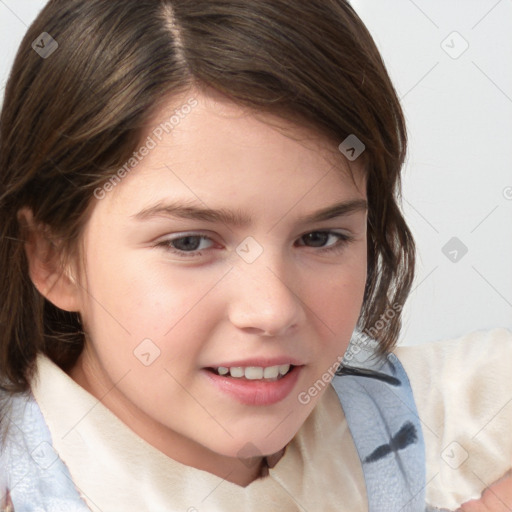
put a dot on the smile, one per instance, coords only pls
(255, 385)
(268, 373)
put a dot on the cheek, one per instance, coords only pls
(142, 296)
(335, 298)
(338, 291)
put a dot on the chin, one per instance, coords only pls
(252, 443)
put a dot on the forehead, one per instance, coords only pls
(210, 149)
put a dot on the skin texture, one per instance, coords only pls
(292, 300)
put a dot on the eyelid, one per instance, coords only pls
(191, 234)
(339, 231)
(184, 234)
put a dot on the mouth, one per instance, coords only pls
(255, 385)
(262, 373)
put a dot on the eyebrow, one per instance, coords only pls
(190, 211)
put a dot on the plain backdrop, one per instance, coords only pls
(451, 63)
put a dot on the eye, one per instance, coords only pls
(190, 245)
(186, 246)
(319, 239)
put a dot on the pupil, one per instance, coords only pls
(187, 243)
(319, 239)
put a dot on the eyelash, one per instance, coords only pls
(343, 240)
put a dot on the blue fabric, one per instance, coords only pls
(376, 398)
(37, 479)
(378, 403)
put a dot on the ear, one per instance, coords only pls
(51, 278)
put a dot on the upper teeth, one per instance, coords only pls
(255, 372)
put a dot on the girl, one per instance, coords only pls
(200, 221)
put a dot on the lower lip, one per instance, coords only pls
(256, 392)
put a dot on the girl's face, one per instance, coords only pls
(229, 252)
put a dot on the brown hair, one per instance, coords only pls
(71, 119)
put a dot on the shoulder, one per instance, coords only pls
(470, 375)
(463, 391)
(473, 351)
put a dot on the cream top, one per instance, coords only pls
(462, 388)
(463, 392)
(114, 469)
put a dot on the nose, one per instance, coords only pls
(262, 301)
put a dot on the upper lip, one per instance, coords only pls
(260, 361)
